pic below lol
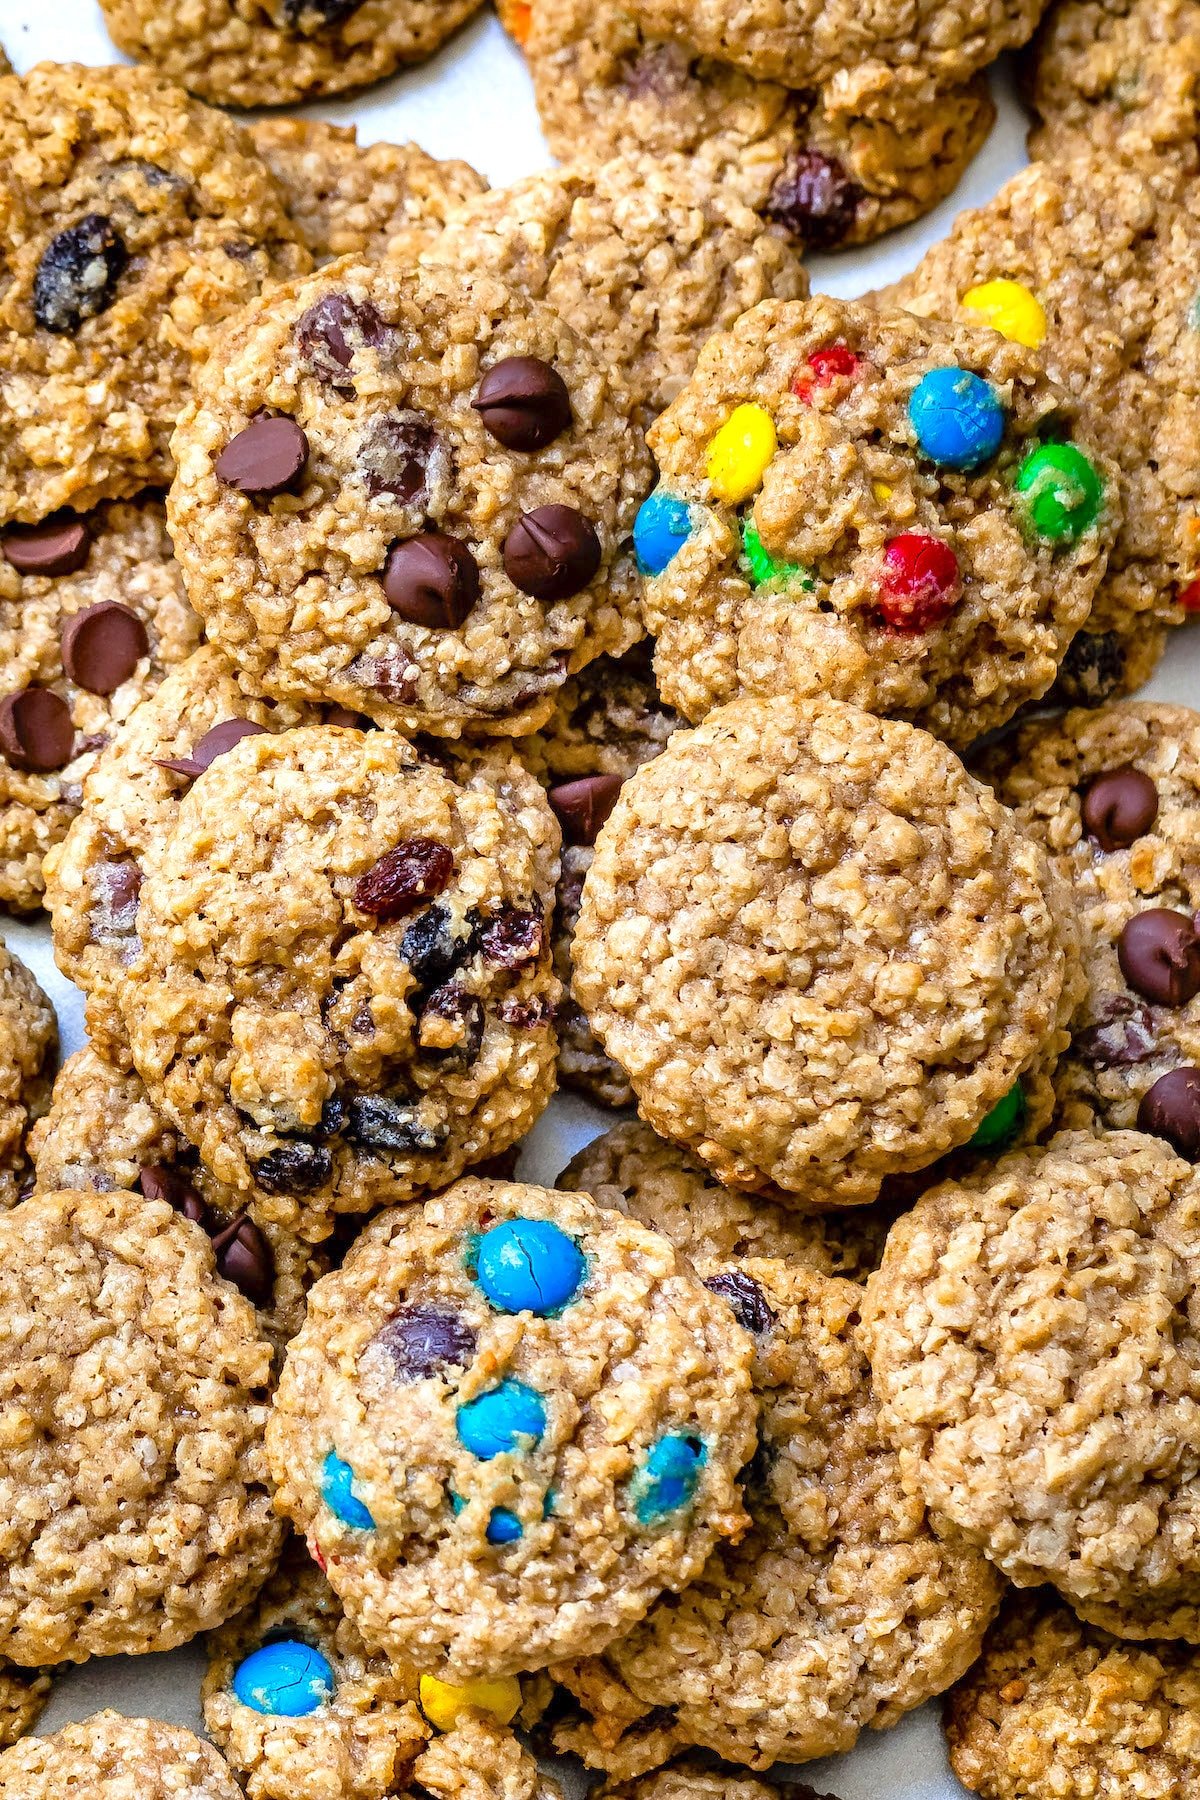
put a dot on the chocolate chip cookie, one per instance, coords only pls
(1032, 1345)
(28, 1050)
(1114, 796)
(132, 1384)
(508, 1423)
(410, 493)
(841, 1608)
(92, 615)
(820, 950)
(891, 511)
(108, 1757)
(23, 1694)
(131, 222)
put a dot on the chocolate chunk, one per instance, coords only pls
(36, 732)
(422, 1339)
(77, 276)
(524, 403)
(1123, 1036)
(295, 1168)
(159, 1181)
(330, 332)
(512, 937)
(1118, 807)
(1171, 1110)
(103, 645)
(432, 949)
(395, 454)
(432, 580)
(348, 720)
(814, 199)
(57, 546)
(267, 458)
(551, 552)
(582, 806)
(244, 1257)
(378, 1123)
(116, 887)
(1159, 954)
(1093, 669)
(451, 1012)
(416, 870)
(216, 741)
(394, 674)
(747, 1299)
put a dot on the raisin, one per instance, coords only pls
(378, 1123)
(814, 199)
(512, 937)
(431, 948)
(747, 1299)
(414, 871)
(295, 1168)
(77, 275)
(460, 1010)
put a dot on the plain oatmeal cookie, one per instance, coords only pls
(23, 1694)
(1114, 796)
(820, 950)
(883, 509)
(131, 221)
(479, 1760)
(509, 1422)
(134, 1490)
(344, 990)
(108, 1757)
(92, 615)
(831, 167)
(270, 52)
(840, 1610)
(347, 199)
(410, 493)
(1033, 1343)
(1096, 266)
(1056, 1710)
(28, 1051)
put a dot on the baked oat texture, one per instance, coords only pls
(1033, 1343)
(23, 1694)
(480, 1760)
(378, 366)
(819, 949)
(131, 222)
(638, 1355)
(344, 991)
(133, 1491)
(28, 1052)
(688, 1781)
(108, 1757)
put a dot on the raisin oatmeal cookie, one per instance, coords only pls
(343, 992)
(841, 1609)
(28, 1051)
(108, 1757)
(1114, 796)
(410, 493)
(92, 615)
(23, 1694)
(820, 950)
(888, 510)
(508, 1422)
(1032, 1339)
(133, 1490)
(131, 221)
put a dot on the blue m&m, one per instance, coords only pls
(503, 1527)
(507, 1417)
(337, 1491)
(958, 418)
(529, 1265)
(668, 1478)
(661, 529)
(286, 1678)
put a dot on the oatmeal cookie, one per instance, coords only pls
(381, 200)
(130, 798)
(1033, 1345)
(1096, 266)
(108, 1757)
(830, 167)
(479, 1760)
(430, 521)
(888, 510)
(92, 615)
(1114, 796)
(688, 1781)
(644, 257)
(28, 1051)
(1056, 1710)
(23, 1694)
(133, 1489)
(508, 1423)
(131, 221)
(841, 1609)
(820, 950)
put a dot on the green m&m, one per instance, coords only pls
(763, 566)
(998, 1128)
(1062, 491)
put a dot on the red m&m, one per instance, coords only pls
(919, 583)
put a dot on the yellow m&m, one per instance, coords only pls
(441, 1702)
(738, 454)
(1009, 308)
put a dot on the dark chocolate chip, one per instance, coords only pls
(36, 732)
(422, 1339)
(1118, 807)
(432, 949)
(78, 273)
(1159, 954)
(378, 1123)
(116, 887)
(216, 741)
(463, 1012)
(814, 199)
(1093, 669)
(583, 805)
(432, 580)
(103, 645)
(348, 720)
(244, 1257)
(524, 403)
(395, 454)
(267, 458)
(330, 332)
(551, 552)
(1171, 1110)
(394, 674)
(296, 1168)
(511, 937)
(1122, 1036)
(159, 1181)
(747, 1299)
(57, 546)
(416, 870)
